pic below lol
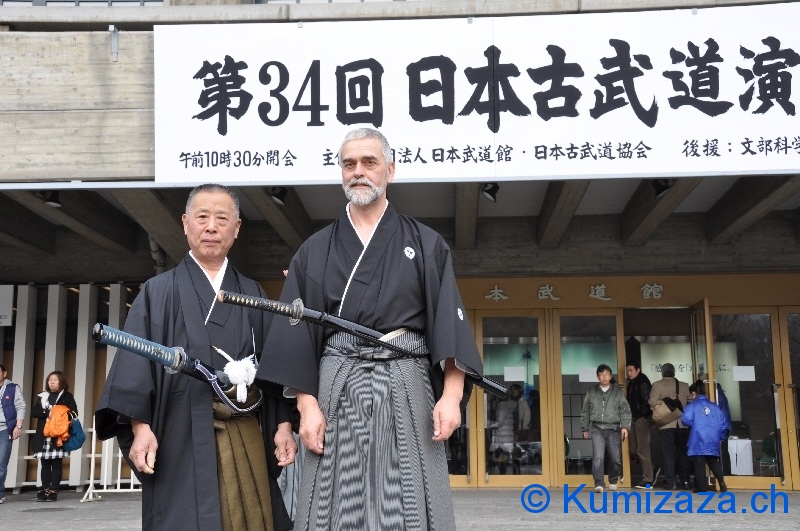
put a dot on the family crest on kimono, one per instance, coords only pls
(374, 422)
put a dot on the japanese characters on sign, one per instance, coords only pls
(657, 93)
(550, 292)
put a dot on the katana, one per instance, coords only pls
(297, 312)
(174, 359)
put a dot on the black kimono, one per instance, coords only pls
(404, 279)
(171, 310)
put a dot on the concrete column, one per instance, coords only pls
(23, 375)
(117, 312)
(84, 379)
(56, 331)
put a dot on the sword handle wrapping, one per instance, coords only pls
(174, 359)
(295, 311)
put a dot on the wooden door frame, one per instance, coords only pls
(483, 479)
(559, 476)
(792, 468)
(756, 482)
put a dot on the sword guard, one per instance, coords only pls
(297, 311)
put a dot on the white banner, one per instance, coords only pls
(6, 305)
(651, 94)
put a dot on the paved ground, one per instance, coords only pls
(485, 509)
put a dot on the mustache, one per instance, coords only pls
(360, 181)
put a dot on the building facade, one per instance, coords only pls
(557, 273)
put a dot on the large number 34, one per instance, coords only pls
(315, 107)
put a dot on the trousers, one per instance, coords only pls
(606, 441)
(5, 454)
(639, 444)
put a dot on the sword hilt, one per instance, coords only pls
(173, 358)
(294, 310)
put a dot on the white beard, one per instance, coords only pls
(361, 197)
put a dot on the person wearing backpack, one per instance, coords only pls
(45, 448)
(673, 435)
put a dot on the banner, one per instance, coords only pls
(692, 92)
(6, 305)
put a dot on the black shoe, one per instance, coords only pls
(643, 485)
(52, 495)
(723, 487)
(41, 496)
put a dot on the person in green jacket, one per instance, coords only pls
(605, 416)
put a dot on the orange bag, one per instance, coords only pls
(57, 424)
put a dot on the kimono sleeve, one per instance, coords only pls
(449, 332)
(129, 391)
(290, 355)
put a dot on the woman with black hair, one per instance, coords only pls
(45, 448)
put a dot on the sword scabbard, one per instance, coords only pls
(297, 312)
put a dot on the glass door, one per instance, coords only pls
(512, 438)
(749, 385)
(583, 340)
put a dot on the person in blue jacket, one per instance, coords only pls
(708, 426)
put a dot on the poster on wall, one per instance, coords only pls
(684, 92)
(6, 305)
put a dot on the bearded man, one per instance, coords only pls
(373, 429)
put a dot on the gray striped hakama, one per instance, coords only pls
(380, 469)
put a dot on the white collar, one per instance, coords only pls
(217, 282)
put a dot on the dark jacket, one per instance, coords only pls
(638, 394)
(40, 412)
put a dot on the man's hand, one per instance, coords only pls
(624, 433)
(285, 445)
(447, 412)
(312, 422)
(586, 435)
(446, 417)
(144, 447)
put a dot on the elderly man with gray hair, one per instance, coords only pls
(673, 435)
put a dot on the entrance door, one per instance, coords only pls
(512, 439)
(702, 345)
(583, 339)
(750, 384)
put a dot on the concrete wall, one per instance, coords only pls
(67, 111)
